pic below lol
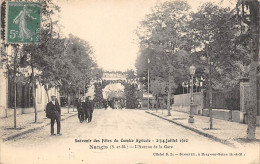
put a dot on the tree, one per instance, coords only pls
(248, 11)
(158, 87)
(79, 54)
(67, 61)
(40, 56)
(216, 48)
(11, 62)
(12, 65)
(130, 89)
(164, 41)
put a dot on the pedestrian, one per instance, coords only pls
(81, 109)
(105, 104)
(86, 110)
(89, 107)
(53, 112)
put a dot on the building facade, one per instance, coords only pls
(24, 93)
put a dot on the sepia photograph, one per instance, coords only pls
(130, 82)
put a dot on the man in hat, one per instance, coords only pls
(89, 109)
(81, 107)
(53, 112)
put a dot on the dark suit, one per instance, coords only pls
(105, 104)
(53, 112)
(81, 111)
(89, 106)
(87, 112)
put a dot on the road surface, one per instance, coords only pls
(141, 139)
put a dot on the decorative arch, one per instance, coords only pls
(130, 88)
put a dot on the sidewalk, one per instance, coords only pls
(25, 123)
(226, 132)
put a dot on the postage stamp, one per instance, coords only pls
(23, 22)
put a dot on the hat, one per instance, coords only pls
(82, 99)
(53, 96)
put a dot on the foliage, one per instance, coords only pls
(164, 41)
(216, 45)
(158, 87)
(98, 96)
(129, 84)
(72, 67)
(130, 95)
(79, 64)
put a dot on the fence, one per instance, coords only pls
(223, 99)
(220, 99)
(184, 99)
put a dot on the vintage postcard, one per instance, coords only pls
(129, 82)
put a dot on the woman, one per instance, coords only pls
(22, 19)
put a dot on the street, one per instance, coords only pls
(124, 125)
(187, 74)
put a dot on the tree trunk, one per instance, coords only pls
(252, 104)
(162, 105)
(46, 90)
(34, 95)
(156, 103)
(169, 98)
(210, 104)
(148, 87)
(68, 103)
(209, 86)
(15, 102)
(6, 108)
(14, 78)
(210, 96)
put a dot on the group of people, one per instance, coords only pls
(114, 104)
(53, 111)
(85, 109)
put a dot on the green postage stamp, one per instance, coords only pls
(23, 22)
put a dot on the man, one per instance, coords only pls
(53, 112)
(81, 109)
(89, 108)
(105, 104)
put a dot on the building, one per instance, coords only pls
(24, 94)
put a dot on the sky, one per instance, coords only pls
(109, 26)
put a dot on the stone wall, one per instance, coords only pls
(229, 115)
(184, 99)
(218, 113)
(182, 103)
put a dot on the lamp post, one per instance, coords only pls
(192, 72)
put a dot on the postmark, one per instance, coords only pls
(23, 22)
